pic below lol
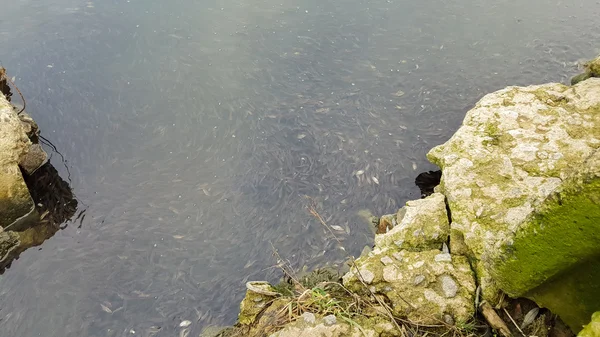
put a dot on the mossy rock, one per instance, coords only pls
(9, 242)
(15, 202)
(592, 329)
(581, 77)
(259, 296)
(422, 287)
(420, 225)
(591, 69)
(521, 177)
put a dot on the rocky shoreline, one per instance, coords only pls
(34, 200)
(509, 241)
(510, 235)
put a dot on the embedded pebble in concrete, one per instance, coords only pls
(309, 317)
(386, 260)
(449, 286)
(330, 320)
(444, 257)
(367, 276)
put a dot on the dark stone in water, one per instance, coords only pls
(426, 181)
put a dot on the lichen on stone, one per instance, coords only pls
(409, 267)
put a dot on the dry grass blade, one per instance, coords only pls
(313, 211)
(515, 323)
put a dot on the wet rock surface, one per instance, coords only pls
(15, 202)
(34, 200)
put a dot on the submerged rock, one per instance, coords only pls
(522, 181)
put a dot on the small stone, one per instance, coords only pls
(419, 279)
(309, 317)
(418, 232)
(34, 159)
(29, 125)
(449, 286)
(386, 260)
(448, 319)
(390, 273)
(419, 264)
(398, 256)
(329, 320)
(399, 243)
(185, 324)
(367, 276)
(444, 257)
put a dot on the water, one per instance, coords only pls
(197, 133)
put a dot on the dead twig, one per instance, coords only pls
(494, 320)
(3, 75)
(313, 211)
(515, 323)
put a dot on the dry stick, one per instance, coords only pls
(287, 272)
(513, 321)
(495, 321)
(19, 91)
(360, 278)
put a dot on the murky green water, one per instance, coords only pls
(196, 131)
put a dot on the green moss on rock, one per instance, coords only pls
(593, 328)
(525, 205)
(569, 223)
(255, 302)
(591, 69)
(420, 225)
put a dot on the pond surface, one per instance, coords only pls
(196, 133)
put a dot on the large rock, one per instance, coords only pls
(408, 231)
(15, 202)
(311, 325)
(259, 296)
(591, 69)
(522, 181)
(411, 267)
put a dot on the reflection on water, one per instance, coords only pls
(55, 206)
(195, 131)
